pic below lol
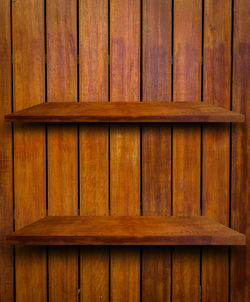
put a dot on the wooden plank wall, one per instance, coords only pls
(216, 143)
(156, 170)
(62, 142)
(124, 50)
(28, 45)
(6, 170)
(186, 162)
(94, 142)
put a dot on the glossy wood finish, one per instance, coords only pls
(123, 112)
(29, 170)
(217, 279)
(62, 143)
(124, 143)
(186, 159)
(216, 144)
(6, 170)
(156, 144)
(94, 143)
(126, 230)
(240, 175)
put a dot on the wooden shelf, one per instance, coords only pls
(125, 112)
(127, 230)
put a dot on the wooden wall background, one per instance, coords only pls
(124, 50)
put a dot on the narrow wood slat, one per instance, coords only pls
(62, 142)
(240, 205)
(6, 175)
(125, 143)
(95, 274)
(29, 144)
(216, 143)
(186, 143)
(93, 139)
(188, 112)
(156, 144)
(127, 230)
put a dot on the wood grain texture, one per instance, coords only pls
(93, 42)
(125, 274)
(154, 112)
(94, 143)
(95, 274)
(240, 205)
(156, 52)
(125, 142)
(125, 50)
(94, 201)
(29, 170)
(29, 144)
(127, 230)
(186, 155)
(62, 144)
(156, 143)
(216, 143)
(6, 177)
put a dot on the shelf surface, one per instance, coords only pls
(125, 112)
(126, 230)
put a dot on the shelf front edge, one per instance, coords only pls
(152, 112)
(128, 231)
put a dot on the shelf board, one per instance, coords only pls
(125, 112)
(126, 230)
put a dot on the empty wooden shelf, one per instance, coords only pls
(126, 230)
(125, 112)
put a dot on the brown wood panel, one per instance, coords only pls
(61, 26)
(127, 230)
(240, 205)
(93, 43)
(93, 139)
(186, 143)
(6, 177)
(156, 112)
(94, 274)
(29, 170)
(29, 144)
(125, 142)
(156, 51)
(216, 143)
(156, 143)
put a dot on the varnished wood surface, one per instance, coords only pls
(62, 143)
(93, 144)
(156, 144)
(240, 158)
(125, 112)
(6, 148)
(216, 144)
(192, 278)
(126, 230)
(124, 143)
(186, 161)
(29, 145)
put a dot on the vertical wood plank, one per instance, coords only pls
(6, 177)
(240, 205)
(156, 144)
(29, 144)
(186, 143)
(62, 142)
(94, 161)
(125, 142)
(216, 143)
